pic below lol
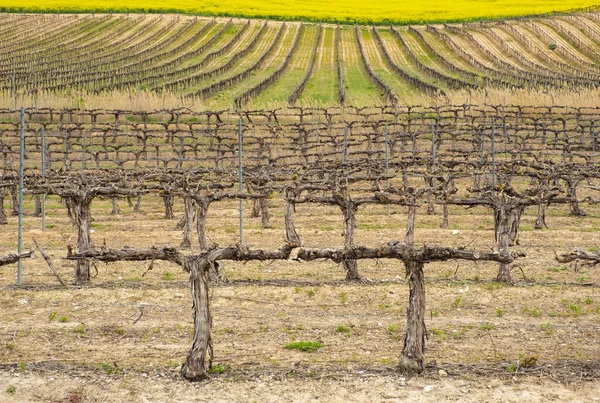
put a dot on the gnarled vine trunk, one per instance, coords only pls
(351, 266)
(168, 202)
(291, 236)
(504, 217)
(80, 207)
(38, 205)
(413, 353)
(3, 218)
(188, 222)
(199, 357)
(264, 213)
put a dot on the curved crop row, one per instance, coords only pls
(415, 81)
(105, 70)
(218, 70)
(340, 71)
(300, 87)
(564, 51)
(494, 77)
(592, 32)
(451, 81)
(388, 95)
(526, 77)
(257, 89)
(539, 71)
(206, 92)
(196, 57)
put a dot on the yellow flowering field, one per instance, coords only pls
(345, 11)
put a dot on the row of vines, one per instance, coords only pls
(505, 158)
(200, 58)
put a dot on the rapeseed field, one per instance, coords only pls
(343, 11)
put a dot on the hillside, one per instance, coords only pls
(221, 63)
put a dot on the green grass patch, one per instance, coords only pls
(306, 346)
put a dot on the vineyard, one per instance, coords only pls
(291, 209)
(461, 201)
(224, 63)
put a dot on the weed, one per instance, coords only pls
(108, 368)
(500, 312)
(581, 279)
(548, 328)
(342, 329)
(588, 301)
(532, 311)
(79, 329)
(457, 334)
(307, 346)
(343, 297)
(438, 332)
(527, 361)
(22, 366)
(63, 319)
(457, 302)
(50, 226)
(575, 309)
(435, 313)
(231, 229)
(168, 276)
(512, 367)
(557, 269)
(53, 315)
(311, 292)
(393, 328)
(297, 289)
(11, 346)
(11, 389)
(386, 361)
(487, 326)
(217, 369)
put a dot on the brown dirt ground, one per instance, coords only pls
(82, 344)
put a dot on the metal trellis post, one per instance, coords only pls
(241, 180)
(20, 225)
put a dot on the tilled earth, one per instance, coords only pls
(124, 337)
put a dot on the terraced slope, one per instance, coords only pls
(254, 63)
